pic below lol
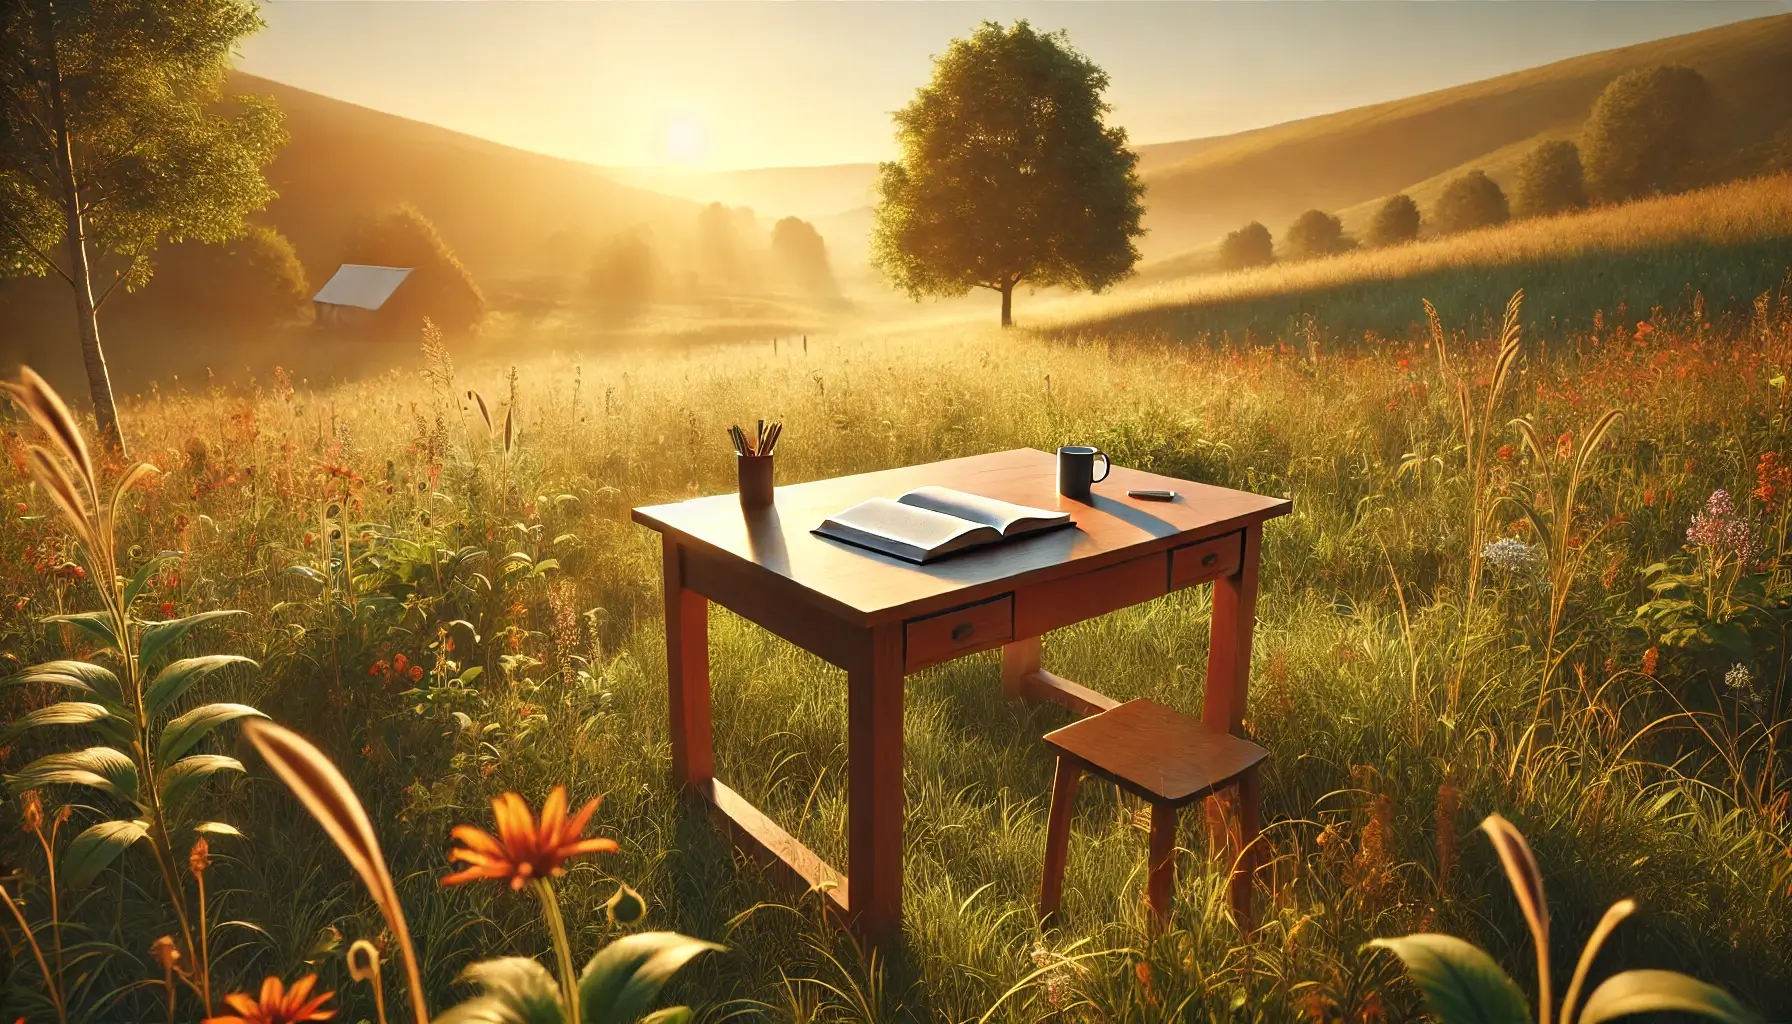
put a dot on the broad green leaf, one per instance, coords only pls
(625, 976)
(219, 828)
(68, 712)
(158, 637)
(76, 675)
(182, 733)
(304, 572)
(515, 990)
(173, 681)
(145, 574)
(670, 1015)
(1462, 984)
(98, 847)
(95, 624)
(102, 768)
(182, 778)
(1662, 992)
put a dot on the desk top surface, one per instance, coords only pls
(861, 584)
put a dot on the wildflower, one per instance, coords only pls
(524, 850)
(1643, 329)
(1773, 479)
(167, 609)
(1565, 446)
(1721, 530)
(164, 952)
(1740, 681)
(416, 673)
(1511, 555)
(278, 1004)
(1651, 658)
(200, 858)
(33, 809)
(1506, 452)
(398, 663)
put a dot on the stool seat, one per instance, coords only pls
(1157, 752)
(1170, 760)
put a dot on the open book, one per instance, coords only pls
(930, 522)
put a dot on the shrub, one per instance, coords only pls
(1397, 221)
(1638, 141)
(439, 287)
(252, 281)
(1249, 246)
(1550, 180)
(625, 274)
(1315, 233)
(1471, 201)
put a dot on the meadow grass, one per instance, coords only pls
(1735, 240)
(1397, 711)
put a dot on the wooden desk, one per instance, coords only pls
(880, 618)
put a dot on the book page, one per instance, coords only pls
(1005, 516)
(925, 533)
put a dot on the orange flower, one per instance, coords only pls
(33, 810)
(524, 850)
(278, 1004)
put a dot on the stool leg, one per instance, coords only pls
(1057, 833)
(1162, 880)
(1249, 824)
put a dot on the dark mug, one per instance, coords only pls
(1076, 470)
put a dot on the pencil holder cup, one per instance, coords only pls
(755, 480)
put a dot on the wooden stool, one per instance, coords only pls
(1168, 759)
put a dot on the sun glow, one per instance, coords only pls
(687, 140)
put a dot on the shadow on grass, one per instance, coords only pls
(1562, 297)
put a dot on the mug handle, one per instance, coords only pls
(1107, 466)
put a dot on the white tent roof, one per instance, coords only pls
(365, 287)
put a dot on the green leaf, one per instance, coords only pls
(1662, 992)
(144, 574)
(670, 1015)
(173, 681)
(515, 990)
(68, 712)
(625, 976)
(304, 572)
(160, 636)
(182, 733)
(219, 828)
(182, 778)
(1462, 984)
(625, 906)
(76, 675)
(98, 847)
(102, 768)
(95, 624)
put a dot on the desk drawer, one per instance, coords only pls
(1046, 606)
(1206, 561)
(947, 635)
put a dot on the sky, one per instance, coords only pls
(725, 84)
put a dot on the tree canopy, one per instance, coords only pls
(1471, 201)
(802, 256)
(439, 287)
(249, 282)
(1639, 139)
(1008, 173)
(1396, 221)
(1315, 233)
(1550, 180)
(1249, 246)
(113, 140)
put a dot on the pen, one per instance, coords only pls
(1153, 495)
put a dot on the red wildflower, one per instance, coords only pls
(523, 849)
(278, 1004)
(1651, 658)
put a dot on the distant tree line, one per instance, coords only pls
(1640, 139)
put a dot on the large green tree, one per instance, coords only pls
(1008, 173)
(113, 140)
(1640, 138)
(1550, 180)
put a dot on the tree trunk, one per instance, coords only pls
(1008, 303)
(99, 382)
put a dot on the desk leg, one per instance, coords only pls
(874, 786)
(687, 676)
(1229, 658)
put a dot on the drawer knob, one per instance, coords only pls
(1209, 558)
(962, 632)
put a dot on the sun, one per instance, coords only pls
(687, 141)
